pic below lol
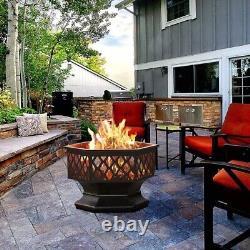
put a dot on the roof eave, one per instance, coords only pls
(100, 75)
(123, 4)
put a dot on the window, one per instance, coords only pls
(241, 80)
(201, 78)
(176, 11)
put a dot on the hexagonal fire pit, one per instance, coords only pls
(111, 178)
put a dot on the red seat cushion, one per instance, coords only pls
(237, 123)
(202, 144)
(227, 190)
(138, 131)
(133, 112)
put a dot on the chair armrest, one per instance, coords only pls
(215, 165)
(200, 127)
(218, 135)
(235, 146)
(237, 152)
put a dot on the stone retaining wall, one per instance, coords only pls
(72, 125)
(57, 122)
(22, 166)
(96, 109)
(19, 166)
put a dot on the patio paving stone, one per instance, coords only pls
(40, 213)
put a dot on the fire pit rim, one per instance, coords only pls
(111, 152)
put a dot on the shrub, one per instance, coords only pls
(5, 99)
(85, 124)
(75, 112)
(8, 108)
(8, 115)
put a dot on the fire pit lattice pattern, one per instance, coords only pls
(111, 168)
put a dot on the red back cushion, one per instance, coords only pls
(237, 122)
(133, 112)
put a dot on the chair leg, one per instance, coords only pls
(208, 227)
(230, 215)
(147, 133)
(208, 212)
(182, 151)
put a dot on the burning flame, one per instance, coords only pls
(110, 136)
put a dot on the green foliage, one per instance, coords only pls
(52, 32)
(39, 42)
(75, 112)
(8, 115)
(8, 109)
(5, 99)
(56, 31)
(85, 124)
(132, 93)
(94, 63)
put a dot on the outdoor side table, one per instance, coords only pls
(168, 129)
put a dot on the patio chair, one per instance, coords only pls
(235, 130)
(134, 113)
(228, 189)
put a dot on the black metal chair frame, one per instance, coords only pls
(215, 152)
(218, 154)
(147, 131)
(210, 201)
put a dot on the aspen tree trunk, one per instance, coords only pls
(11, 48)
(18, 76)
(22, 65)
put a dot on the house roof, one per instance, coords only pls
(124, 4)
(99, 75)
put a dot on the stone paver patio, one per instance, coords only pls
(40, 213)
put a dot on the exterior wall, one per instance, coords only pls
(219, 24)
(101, 110)
(218, 34)
(155, 82)
(85, 84)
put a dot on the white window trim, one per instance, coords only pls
(164, 14)
(230, 74)
(201, 94)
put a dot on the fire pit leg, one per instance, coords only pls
(112, 197)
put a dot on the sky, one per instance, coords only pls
(118, 48)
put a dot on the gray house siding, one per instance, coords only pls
(219, 24)
(155, 82)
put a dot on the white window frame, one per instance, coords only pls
(231, 73)
(195, 94)
(164, 14)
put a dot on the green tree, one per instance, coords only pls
(40, 38)
(81, 23)
(95, 63)
(61, 30)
